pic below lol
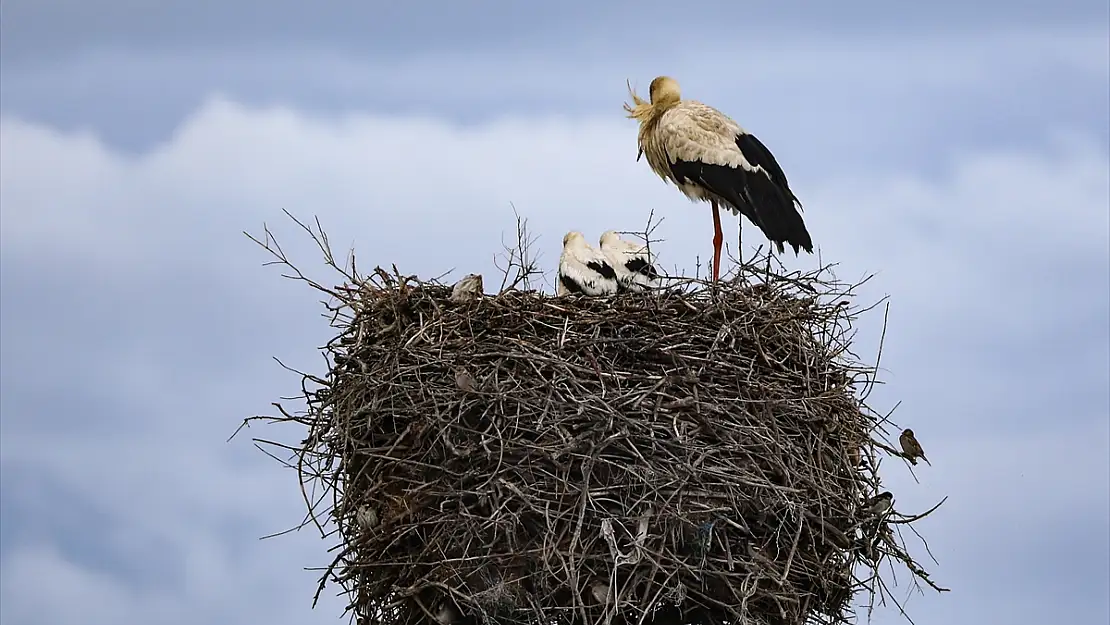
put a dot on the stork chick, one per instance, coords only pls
(709, 157)
(583, 269)
(631, 262)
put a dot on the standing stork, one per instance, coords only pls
(709, 157)
(583, 269)
(635, 271)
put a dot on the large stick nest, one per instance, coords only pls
(697, 455)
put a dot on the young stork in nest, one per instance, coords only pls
(582, 269)
(631, 262)
(709, 157)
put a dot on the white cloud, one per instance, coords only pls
(40, 585)
(880, 95)
(1001, 250)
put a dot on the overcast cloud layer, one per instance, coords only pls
(967, 168)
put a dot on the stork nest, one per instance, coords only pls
(696, 455)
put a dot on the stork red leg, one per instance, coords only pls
(718, 238)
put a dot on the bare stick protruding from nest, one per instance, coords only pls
(520, 265)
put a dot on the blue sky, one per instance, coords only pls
(959, 152)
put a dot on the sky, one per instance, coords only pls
(960, 153)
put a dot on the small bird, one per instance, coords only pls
(446, 613)
(582, 269)
(465, 381)
(600, 591)
(467, 289)
(366, 517)
(911, 448)
(879, 503)
(710, 157)
(633, 266)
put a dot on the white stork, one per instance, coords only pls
(708, 156)
(631, 262)
(582, 269)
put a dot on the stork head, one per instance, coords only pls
(664, 91)
(572, 236)
(608, 238)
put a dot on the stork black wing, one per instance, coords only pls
(758, 155)
(603, 269)
(729, 183)
(641, 266)
(755, 195)
(570, 285)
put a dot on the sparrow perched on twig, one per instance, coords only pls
(911, 448)
(879, 503)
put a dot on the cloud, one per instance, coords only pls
(914, 95)
(137, 328)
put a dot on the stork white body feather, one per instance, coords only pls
(583, 269)
(695, 132)
(631, 262)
